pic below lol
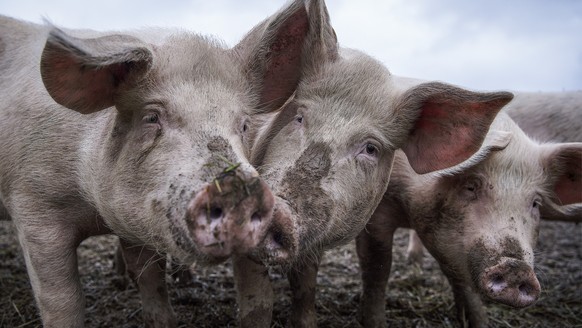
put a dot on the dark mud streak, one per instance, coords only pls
(479, 258)
(510, 247)
(302, 187)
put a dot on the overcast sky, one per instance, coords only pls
(520, 45)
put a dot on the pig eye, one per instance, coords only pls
(537, 203)
(245, 127)
(371, 149)
(151, 118)
(299, 119)
(471, 188)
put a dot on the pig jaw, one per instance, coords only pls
(502, 274)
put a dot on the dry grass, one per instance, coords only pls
(416, 297)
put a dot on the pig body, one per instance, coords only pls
(108, 133)
(479, 220)
(548, 116)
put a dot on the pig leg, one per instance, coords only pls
(470, 310)
(254, 292)
(415, 250)
(51, 260)
(374, 247)
(147, 269)
(303, 280)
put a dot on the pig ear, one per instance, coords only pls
(495, 140)
(280, 51)
(86, 74)
(449, 124)
(563, 166)
(322, 44)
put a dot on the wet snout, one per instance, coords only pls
(511, 282)
(280, 245)
(231, 214)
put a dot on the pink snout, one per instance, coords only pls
(231, 215)
(512, 282)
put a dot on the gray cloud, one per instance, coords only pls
(518, 45)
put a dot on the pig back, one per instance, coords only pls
(548, 116)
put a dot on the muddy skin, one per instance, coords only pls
(303, 185)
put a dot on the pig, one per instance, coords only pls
(479, 220)
(139, 134)
(543, 116)
(327, 156)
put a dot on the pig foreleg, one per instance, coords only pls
(254, 292)
(303, 280)
(374, 247)
(147, 269)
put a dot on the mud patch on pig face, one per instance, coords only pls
(302, 189)
(481, 257)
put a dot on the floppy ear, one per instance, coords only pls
(448, 124)
(282, 50)
(86, 74)
(495, 140)
(563, 166)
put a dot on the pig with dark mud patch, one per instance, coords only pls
(141, 135)
(479, 220)
(327, 155)
(544, 117)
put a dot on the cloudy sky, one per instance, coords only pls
(521, 45)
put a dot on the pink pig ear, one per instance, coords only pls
(563, 163)
(563, 167)
(86, 74)
(285, 48)
(449, 124)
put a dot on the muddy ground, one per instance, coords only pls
(417, 297)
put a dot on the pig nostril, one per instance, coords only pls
(525, 289)
(256, 217)
(215, 213)
(497, 279)
(278, 238)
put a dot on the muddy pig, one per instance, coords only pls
(327, 156)
(479, 220)
(140, 134)
(544, 117)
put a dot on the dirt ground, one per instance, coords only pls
(417, 297)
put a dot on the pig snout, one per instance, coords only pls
(511, 282)
(231, 215)
(280, 244)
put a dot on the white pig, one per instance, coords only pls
(478, 219)
(543, 116)
(140, 134)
